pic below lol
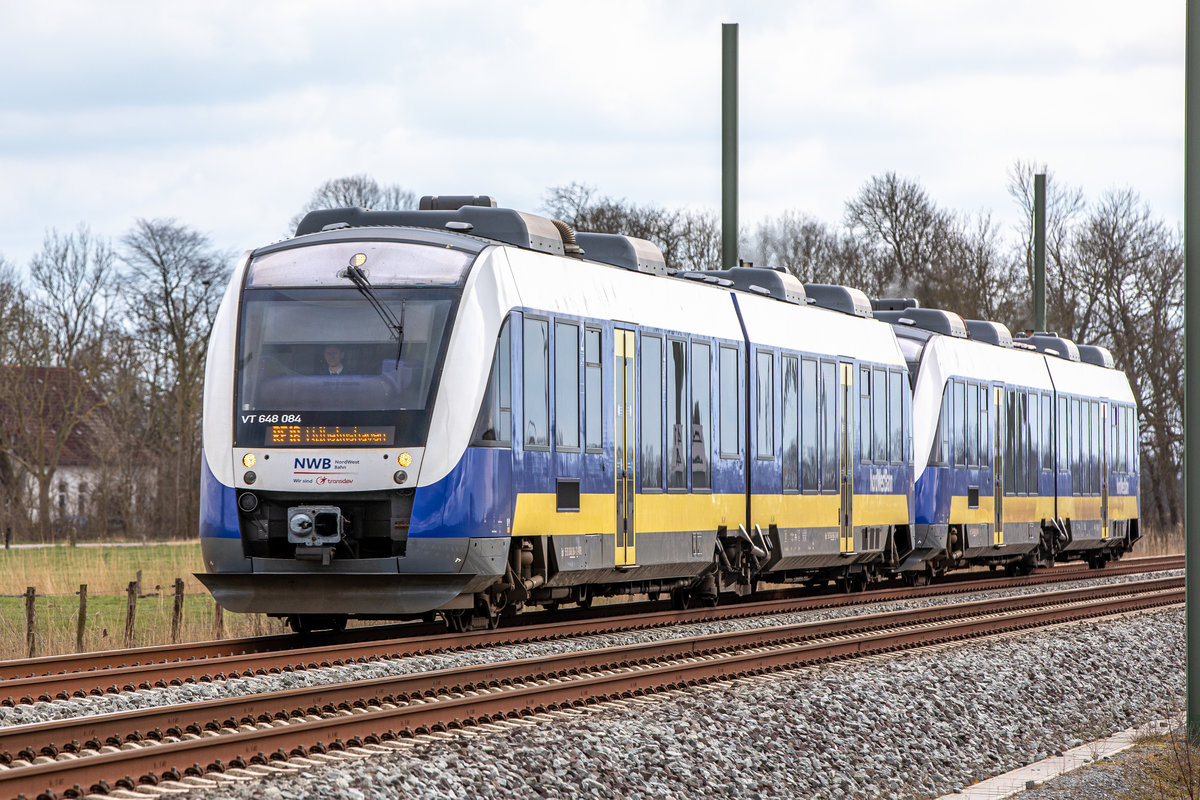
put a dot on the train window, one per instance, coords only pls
(650, 397)
(729, 401)
(1129, 451)
(829, 426)
(536, 387)
(1116, 441)
(1010, 449)
(958, 414)
(864, 414)
(791, 429)
(765, 405)
(677, 438)
(972, 425)
(808, 426)
(1094, 460)
(941, 438)
(895, 418)
(566, 386)
(494, 426)
(1132, 441)
(593, 406)
(1063, 427)
(1047, 435)
(1034, 456)
(985, 452)
(879, 444)
(701, 417)
(1076, 448)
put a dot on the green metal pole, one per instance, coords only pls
(1039, 252)
(729, 145)
(1191, 364)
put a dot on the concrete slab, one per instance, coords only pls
(1023, 778)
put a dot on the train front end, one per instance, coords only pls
(322, 373)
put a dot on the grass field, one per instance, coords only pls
(57, 572)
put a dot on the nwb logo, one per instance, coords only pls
(313, 463)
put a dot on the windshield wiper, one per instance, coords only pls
(395, 326)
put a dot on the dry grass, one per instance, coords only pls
(1166, 767)
(56, 573)
(1160, 542)
(58, 570)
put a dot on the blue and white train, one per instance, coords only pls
(465, 410)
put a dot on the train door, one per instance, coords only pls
(845, 397)
(998, 466)
(1104, 439)
(625, 436)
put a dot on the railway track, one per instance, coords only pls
(78, 675)
(248, 734)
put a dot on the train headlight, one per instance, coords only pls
(249, 477)
(404, 459)
(248, 460)
(400, 477)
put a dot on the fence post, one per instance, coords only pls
(139, 583)
(82, 618)
(219, 620)
(30, 636)
(177, 615)
(130, 612)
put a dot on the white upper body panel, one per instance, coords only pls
(218, 379)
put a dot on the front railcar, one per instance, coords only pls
(319, 397)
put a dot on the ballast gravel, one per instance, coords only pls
(903, 726)
(237, 687)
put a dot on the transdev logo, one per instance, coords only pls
(312, 463)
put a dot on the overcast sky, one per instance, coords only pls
(226, 115)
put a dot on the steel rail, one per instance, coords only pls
(62, 685)
(197, 651)
(272, 742)
(48, 739)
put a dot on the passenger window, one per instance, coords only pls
(985, 450)
(1010, 449)
(765, 391)
(1034, 459)
(1063, 437)
(1047, 435)
(972, 425)
(895, 418)
(536, 386)
(729, 401)
(701, 418)
(864, 415)
(879, 416)
(494, 425)
(566, 386)
(593, 406)
(650, 397)
(678, 441)
(829, 425)
(958, 411)
(809, 445)
(791, 430)
(1076, 447)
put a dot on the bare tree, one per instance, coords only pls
(809, 249)
(904, 233)
(60, 356)
(175, 279)
(1130, 298)
(356, 191)
(688, 239)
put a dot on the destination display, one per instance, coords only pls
(328, 435)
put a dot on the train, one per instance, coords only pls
(464, 410)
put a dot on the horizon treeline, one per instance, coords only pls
(102, 342)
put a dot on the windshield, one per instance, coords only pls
(319, 367)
